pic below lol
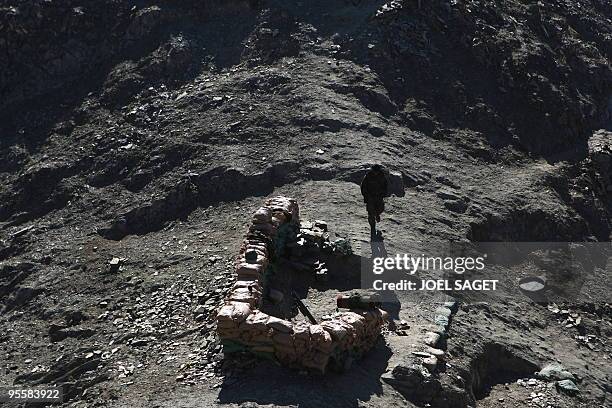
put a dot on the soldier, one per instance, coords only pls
(374, 189)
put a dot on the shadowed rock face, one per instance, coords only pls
(135, 137)
(532, 75)
(517, 69)
(48, 43)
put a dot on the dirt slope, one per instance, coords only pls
(150, 131)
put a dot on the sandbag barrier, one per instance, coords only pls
(242, 326)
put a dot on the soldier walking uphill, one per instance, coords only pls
(374, 188)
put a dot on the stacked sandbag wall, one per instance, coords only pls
(242, 326)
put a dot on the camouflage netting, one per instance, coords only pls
(242, 326)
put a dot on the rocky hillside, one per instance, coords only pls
(137, 137)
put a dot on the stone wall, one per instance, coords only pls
(242, 326)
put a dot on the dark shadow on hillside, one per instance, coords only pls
(122, 55)
(440, 72)
(267, 383)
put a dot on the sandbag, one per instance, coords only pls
(256, 322)
(266, 228)
(262, 215)
(282, 326)
(234, 312)
(244, 295)
(283, 339)
(320, 338)
(337, 329)
(249, 270)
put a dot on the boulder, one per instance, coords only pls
(555, 372)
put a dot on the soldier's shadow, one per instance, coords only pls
(391, 303)
(377, 245)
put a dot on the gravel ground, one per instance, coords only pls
(136, 142)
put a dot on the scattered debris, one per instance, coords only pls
(115, 264)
